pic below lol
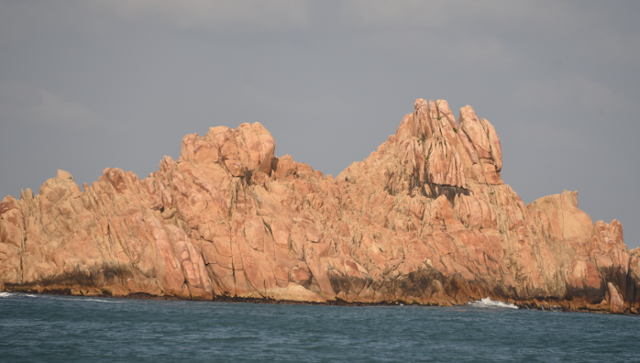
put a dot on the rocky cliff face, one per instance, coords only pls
(424, 219)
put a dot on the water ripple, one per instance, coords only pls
(75, 329)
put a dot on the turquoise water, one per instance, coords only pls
(45, 328)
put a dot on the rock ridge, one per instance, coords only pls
(425, 219)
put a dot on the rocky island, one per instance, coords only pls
(425, 219)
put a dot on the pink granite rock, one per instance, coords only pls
(424, 219)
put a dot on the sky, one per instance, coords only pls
(91, 84)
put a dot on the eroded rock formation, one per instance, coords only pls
(424, 219)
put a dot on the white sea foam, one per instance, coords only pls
(114, 301)
(488, 303)
(6, 294)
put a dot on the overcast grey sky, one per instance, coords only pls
(90, 84)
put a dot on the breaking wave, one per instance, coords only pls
(488, 303)
(5, 295)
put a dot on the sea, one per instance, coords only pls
(49, 328)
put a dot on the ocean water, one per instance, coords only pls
(46, 328)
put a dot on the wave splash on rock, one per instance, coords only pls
(488, 303)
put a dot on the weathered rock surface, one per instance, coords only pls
(424, 219)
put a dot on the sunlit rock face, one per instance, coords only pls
(425, 219)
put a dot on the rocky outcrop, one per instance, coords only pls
(425, 219)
